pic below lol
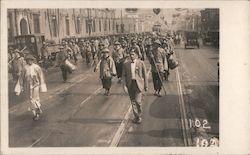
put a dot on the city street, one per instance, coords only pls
(77, 114)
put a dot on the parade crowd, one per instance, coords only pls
(122, 57)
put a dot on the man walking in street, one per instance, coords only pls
(157, 62)
(135, 81)
(135, 48)
(119, 57)
(82, 48)
(88, 52)
(45, 54)
(61, 58)
(75, 50)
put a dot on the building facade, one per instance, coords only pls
(210, 20)
(56, 24)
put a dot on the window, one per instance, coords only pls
(113, 26)
(67, 26)
(109, 24)
(100, 25)
(36, 21)
(87, 27)
(117, 27)
(54, 26)
(78, 28)
(105, 25)
(93, 27)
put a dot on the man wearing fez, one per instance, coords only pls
(32, 82)
(135, 80)
(119, 56)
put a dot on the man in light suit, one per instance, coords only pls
(135, 81)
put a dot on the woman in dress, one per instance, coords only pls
(32, 82)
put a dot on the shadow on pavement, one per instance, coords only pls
(165, 133)
(165, 107)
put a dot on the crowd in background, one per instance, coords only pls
(108, 54)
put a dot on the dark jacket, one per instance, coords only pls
(140, 74)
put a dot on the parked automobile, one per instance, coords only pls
(211, 37)
(33, 44)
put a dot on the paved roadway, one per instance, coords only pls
(78, 114)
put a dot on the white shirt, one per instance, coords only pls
(133, 69)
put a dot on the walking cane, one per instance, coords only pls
(159, 75)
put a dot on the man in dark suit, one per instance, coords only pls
(135, 48)
(135, 81)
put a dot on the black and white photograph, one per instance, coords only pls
(124, 77)
(113, 77)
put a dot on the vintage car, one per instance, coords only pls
(32, 44)
(191, 39)
(211, 37)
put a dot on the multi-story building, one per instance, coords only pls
(210, 20)
(56, 24)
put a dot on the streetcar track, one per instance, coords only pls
(58, 91)
(72, 115)
(201, 60)
(184, 122)
(118, 135)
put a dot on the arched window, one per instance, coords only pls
(23, 26)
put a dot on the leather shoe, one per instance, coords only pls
(137, 120)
